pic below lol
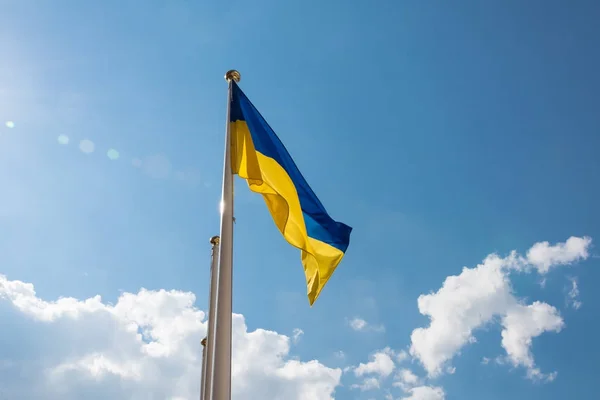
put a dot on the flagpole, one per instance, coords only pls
(207, 346)
(221, 360)
(203, 374)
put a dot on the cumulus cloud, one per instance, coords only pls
(359, 324)
(478, 295)
(401, 356)
(521, 324)
(406, 380)
(464, 302)
(380, 366)
(544, 256)
(147, 345)
(425, 393)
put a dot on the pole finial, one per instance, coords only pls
(233, 74)
(215, 240)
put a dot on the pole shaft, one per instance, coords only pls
(221, 362)
(208, 347)
(203, 373)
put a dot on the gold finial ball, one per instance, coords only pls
(233, 74)
(215, 240)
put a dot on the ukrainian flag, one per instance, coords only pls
(260, 158)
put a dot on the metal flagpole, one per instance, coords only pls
(221, 361)
(203, 374)
(207, 345)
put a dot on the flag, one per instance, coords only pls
(259, 157)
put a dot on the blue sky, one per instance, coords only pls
(440, 131)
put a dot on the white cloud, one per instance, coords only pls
(367, 384)
(425, 393)
(500, 360)
(296, 333)
(406, 380)
(536, 375)
(359, 324)
(521, 324)
(145, 346)
(573, 295)
(381, 364)
(464, 302)
(401, 356)
(474, 298)
(543, 256)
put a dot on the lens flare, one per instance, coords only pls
(113, 154)
(63, 139)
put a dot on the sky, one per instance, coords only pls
(458, 139)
